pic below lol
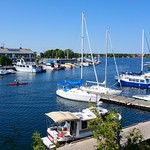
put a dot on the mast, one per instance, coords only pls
(82, 45)
(142, 50)
(106, 58)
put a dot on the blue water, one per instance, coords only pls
(22, 108)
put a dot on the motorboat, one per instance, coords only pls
(53, 65)
(3, 72)
(65, 126)
(134, 80)
(142, 97)
(22, 66)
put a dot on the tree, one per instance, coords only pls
(106, 130)
(4, 61)
(59, 53)
(69, 53)
(37, 143)
(134, 141)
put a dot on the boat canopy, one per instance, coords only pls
(79, 83)
(61, 83)
(61, 116)
(71, 83)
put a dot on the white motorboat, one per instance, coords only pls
(142, 97)
(69, 126)
(22, 66)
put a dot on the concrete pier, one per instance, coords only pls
(90, 143)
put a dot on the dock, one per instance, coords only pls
(130, 102)
(90, 143)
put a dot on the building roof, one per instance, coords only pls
(15, 51)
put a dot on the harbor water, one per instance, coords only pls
(23, 108)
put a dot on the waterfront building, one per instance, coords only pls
(14, 53)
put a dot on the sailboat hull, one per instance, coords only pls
(78, 95)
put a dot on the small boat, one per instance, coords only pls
(22, 66)
(3, 71)
(134, 80)
(17, 83)
(137, 80)
(69, 126)
(142, 97)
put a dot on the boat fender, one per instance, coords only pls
(60, 135)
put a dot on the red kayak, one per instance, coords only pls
(17, 83)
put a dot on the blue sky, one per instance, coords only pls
(49, 24)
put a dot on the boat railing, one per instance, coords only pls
(93, 82)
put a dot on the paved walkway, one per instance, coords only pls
(89, 144)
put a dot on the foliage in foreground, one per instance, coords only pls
(37, 143)
(107, 132)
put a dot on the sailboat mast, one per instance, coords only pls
(106, 58)
(142, 50)
(82, 45)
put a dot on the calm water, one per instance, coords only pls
(22, 108)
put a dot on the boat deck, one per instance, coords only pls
(121, 100)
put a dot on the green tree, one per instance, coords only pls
(134, 141)
(37, 143)
(59, 53)
(69, 53)
(4, 61)
(106, 130)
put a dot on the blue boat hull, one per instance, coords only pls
(133, 84)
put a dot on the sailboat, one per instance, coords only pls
(71, 90)
(138, 80)
(101, 88)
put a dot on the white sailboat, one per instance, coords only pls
(101, 88)
(71, 90)
(138, 80)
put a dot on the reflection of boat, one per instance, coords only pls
(17, 83)
(69, 126)
(22, 66)
(142, 97)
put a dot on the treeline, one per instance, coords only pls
(68, 53)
